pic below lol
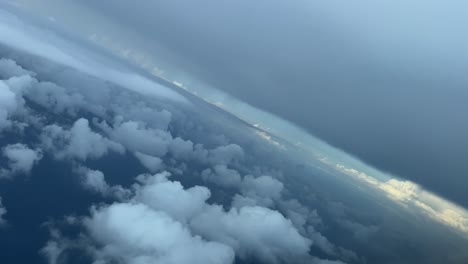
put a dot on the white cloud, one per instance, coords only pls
(263, 189)
(9, 68)
(181, 149)
(93, 180)
(153, 164)
(137, 234)
(411, 195)
(253, 232)
(222, 176)
(403, 191)
(161, 194)
(136, 136)
(8, 104)
(264, 186)
(226, 154)
(166, 223)
(162, 221)
(142, 112)
(21, 159)
(15, 33)
(80, 142)
(56, 98)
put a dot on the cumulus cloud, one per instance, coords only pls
(153, 164)
(300, 216)
(144, 113)
(21, 159)
(155, 220)
(137, 234)
(226, 154)
(263, 190)
(223, 176)
(263, 186)
(9, 68)
(56, 98)
(181, 149)
(80, 142)
(166, 223)
(8, 104)
(136, 136)
(253, 232)
(170, 196)
(93, 180)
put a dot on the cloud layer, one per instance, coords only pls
(173, 179)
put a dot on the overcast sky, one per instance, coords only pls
(383, 80)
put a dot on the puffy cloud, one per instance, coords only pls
(170, 196)
(166, 223)
(93, 180)
(222, 176)
(264, 186)
(80, 142)
(48, 94)
(7, 97)
(140, 111)
(153, 164)
(136, 136)
(181, 149)
(299, 215)
(21, 159)
(263, 189)
(258, 232)
(160, 220)
(56, 98)
(253, 232)
(226, 154)
(8, 104)
(137, 234)
(9, 68)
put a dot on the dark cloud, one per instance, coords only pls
(383, 81)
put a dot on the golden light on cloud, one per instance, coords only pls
(410, 194)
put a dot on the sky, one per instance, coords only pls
(384, 81)
(105, 152)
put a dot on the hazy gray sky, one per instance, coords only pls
(383, 80)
